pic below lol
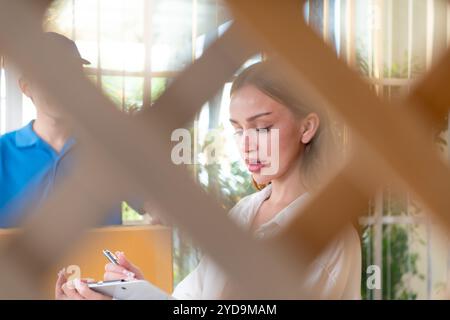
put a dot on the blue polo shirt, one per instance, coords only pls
(29, 171)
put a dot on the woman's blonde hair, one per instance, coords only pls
(316, 157)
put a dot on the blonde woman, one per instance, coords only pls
(260, 103)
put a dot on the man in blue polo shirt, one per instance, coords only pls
(35, 158)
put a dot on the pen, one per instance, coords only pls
(110, 256)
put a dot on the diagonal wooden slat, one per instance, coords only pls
(239, 255)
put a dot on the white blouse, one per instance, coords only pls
(336, 272)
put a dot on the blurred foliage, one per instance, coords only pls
(228, 181)
(399, 263)
(399, 70)
(398, 258)
(129, 214)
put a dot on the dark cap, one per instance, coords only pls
(66, 44)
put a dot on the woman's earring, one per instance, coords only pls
(258, 186)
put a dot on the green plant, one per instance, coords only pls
(399, 260)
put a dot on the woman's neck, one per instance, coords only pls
(287, 188)
(53, 131)
(284, 191)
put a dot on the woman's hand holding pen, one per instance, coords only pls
(124, 270)
(78, 289)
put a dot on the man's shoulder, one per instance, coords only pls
(7, 146)
(18, 138)
(8, 138)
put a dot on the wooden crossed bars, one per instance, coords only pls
(389, 136)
